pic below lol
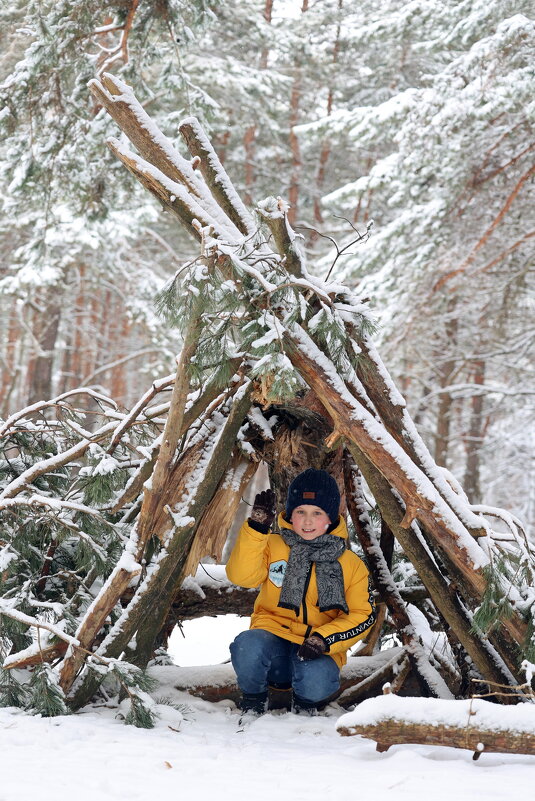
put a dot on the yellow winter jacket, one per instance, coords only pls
(261, 559)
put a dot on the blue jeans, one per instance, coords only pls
(261, 658)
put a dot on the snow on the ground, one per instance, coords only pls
(199, 754)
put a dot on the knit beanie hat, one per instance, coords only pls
(317, 488)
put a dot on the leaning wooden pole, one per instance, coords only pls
(430, 680)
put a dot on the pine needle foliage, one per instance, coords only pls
(12, 692)
(13, 634)
(59, 540)
(126, 679)
(495, 606)
(45, 696)
(140, 715)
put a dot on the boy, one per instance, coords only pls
(314, 601)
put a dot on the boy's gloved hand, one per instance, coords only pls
(312, 648)
(263, 510)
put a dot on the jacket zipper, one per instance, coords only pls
(307, 582)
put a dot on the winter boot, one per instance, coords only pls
(251, 705)
(253, 702)
(303, 707)
(280, 697)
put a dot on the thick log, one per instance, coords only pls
(394, 415)
(189, 604)
(120, 103)
(478, 729)
(154, 490)
(440, 591)
(218, 682)
(397, 732)
(163, 194)
(95, 618)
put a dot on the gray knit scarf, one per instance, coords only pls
(324, 551)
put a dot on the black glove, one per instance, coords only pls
(312, 648)
(263, 511)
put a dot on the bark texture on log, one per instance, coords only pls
(94, 620)
(220, 513)
(479, 740)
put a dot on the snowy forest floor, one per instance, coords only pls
(199, 753)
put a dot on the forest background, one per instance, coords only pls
(405, 125)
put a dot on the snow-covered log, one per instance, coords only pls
(358, 678)
(475, 725)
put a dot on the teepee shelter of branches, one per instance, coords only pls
(277, 367)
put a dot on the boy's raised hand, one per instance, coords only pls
(263, 510)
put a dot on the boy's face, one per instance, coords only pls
(309, 521)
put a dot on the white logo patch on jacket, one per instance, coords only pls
(277, 571)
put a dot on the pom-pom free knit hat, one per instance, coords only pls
(317, 488)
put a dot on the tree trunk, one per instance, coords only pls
(445, 400)
(474, 439)
(46, 333)
(325, 150)
(10, 370)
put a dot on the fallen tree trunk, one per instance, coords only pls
(475, 725)
(440, 591)
(218, 682)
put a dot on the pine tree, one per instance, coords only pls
(446, 262)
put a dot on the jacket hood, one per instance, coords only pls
(340, 529)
